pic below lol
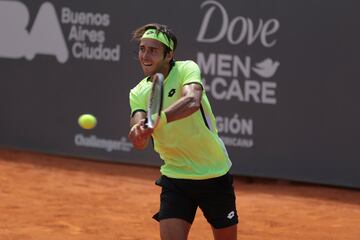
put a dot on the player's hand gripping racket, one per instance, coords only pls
(155, 101)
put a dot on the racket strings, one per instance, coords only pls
(155, 101)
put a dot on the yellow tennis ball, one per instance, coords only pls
(87, 121)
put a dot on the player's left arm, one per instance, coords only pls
(139, 135)
(189, 102)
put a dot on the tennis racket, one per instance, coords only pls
(155, 101)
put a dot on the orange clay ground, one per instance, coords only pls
(44, 197)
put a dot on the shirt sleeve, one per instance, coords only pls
(136, 102)
(191, 73)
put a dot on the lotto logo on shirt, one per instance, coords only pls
(45, 36)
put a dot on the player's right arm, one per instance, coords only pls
(139, 135)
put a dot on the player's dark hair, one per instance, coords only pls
(138, 33)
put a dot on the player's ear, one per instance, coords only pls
(169, 55)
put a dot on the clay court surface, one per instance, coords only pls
(45, 197)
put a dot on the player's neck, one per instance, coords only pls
(166, 70)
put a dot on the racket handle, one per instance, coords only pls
(146, 123)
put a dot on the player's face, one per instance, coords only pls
(151, 57)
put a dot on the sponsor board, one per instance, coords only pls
(86, 38)
(235, 131)
(109, 145)
(236, 78)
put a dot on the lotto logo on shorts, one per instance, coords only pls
(231, 215)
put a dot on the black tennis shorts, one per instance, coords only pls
(180, 198)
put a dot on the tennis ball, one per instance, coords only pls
(87, 121)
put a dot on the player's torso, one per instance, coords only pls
(172, 89)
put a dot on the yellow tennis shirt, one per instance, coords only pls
(190, 147)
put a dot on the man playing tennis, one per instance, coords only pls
(196, 164)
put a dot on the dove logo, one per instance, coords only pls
(45, 36)
(266, 68)
(236, 30)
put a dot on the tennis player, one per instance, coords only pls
(196, 165)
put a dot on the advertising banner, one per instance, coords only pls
(281, 77)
